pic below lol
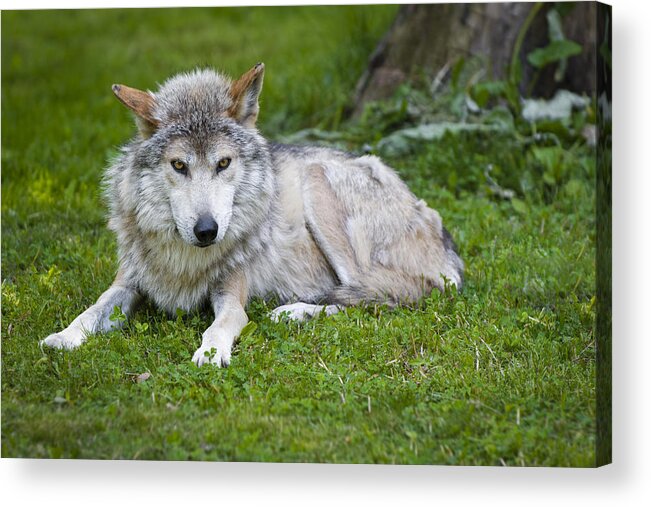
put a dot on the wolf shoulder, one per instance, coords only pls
(365, 173)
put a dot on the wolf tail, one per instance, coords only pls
(452, 256)
(387, 287)
(409, 292)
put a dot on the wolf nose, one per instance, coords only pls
(205, 230)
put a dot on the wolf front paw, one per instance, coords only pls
(219, 356)
(64, 340)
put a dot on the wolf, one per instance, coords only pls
(206, 211)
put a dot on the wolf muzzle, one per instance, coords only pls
(205, 230)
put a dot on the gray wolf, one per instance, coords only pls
(206, 211)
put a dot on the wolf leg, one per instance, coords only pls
(97, 318)
(326, 221)
(230, 317)
(302, 311)
(343, 244)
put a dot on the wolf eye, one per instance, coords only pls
(179, 166)
(223, 163)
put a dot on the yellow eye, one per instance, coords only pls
(179, 166)
(223, 163)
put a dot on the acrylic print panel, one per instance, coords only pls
(285, 291)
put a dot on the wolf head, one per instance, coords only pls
(199, 160)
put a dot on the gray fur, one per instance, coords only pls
(300, 224)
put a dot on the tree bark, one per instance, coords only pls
(426, 38)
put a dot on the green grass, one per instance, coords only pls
(502, 373)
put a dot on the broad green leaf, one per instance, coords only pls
(248, 330)
(456, 73)
(549, 178)
(555, 51)
(549, 156)
(555, 28)
(520, 206)
(555, 25)
(482, 92)
(574, 188)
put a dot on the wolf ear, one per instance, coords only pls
(141, 103)
(245, 92)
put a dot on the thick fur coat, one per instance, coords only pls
(205, 210)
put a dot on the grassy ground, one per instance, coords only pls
(501, 374)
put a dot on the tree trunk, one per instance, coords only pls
(426, 38)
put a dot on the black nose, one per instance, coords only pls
(205, 230)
